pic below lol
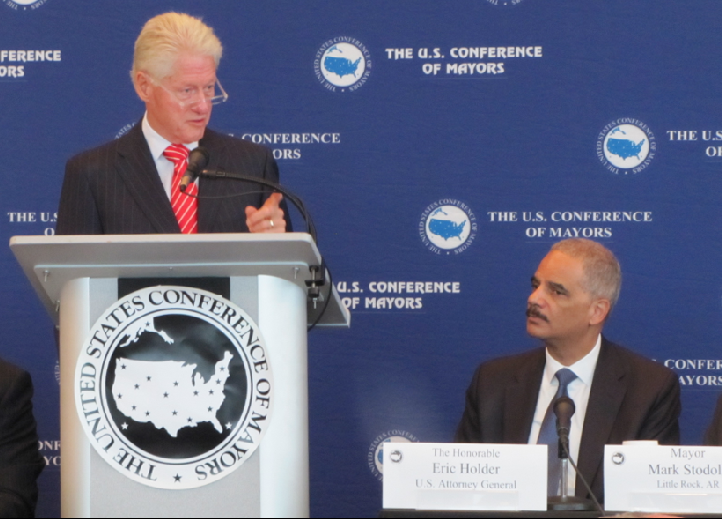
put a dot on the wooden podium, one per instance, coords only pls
(77, 279)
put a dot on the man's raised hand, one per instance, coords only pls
(269, 218)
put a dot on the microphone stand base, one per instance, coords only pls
(570, 504)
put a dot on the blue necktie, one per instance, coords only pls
(548, 433)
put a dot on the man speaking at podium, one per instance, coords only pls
(132, 185)
(619, 396)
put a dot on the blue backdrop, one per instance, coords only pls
(527, 122)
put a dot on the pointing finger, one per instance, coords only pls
(274, 200)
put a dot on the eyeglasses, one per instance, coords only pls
(214, 94)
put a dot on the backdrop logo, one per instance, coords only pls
(448, 226)
(504, 2)
(124, 130)
(343, 64)
(626, 146)
(174, 388)
(24, 5)
(376, 452)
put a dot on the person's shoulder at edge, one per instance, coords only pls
(217, 139)
(100, 152)
(506, 365)
(10, 371)
(509, 364)
(634, 360)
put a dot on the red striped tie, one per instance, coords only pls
(185, 207)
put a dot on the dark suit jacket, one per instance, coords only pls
(20, 461)
(713, 437)
(632, 398)
(115, 188)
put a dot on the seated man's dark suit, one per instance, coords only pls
(115, 189)
(632, 398)
(20, 461)
(713, 437)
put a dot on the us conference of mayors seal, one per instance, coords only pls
(343, 64)
(24, 5)
(174, 387)
(448, 226)
(626, 146)
(376, 451)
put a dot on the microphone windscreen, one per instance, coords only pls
(564, 409)
(198, 160)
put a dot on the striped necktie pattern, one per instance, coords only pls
(184, 206)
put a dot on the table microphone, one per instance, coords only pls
(564, 409)
(197, 162)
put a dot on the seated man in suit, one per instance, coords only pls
(619, 395)
(131, 185)
(20, 461)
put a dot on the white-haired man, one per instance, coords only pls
(131, 185)
(619, 396)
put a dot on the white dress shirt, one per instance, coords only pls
(157, 146)
(579, 391)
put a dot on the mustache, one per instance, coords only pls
(533, 311)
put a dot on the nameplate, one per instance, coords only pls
(444, 476)
(680, 480)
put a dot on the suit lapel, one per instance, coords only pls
(521, 399)
(608, 391)
(137, 169)
(208, 207)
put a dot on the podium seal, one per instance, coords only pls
(174, 387)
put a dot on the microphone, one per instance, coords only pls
(564, 409)
(197, 162)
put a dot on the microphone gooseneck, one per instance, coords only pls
(295, 200)
(595, 501)
(197, 162)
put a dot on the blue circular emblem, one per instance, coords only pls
(626, 146)
(376, 453)
(448, 226)
(343, 64)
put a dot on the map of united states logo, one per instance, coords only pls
(343, 64)
(174, 387)
(170, 395)
(626, 146)
(448, 226)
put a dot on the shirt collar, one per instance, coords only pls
(584, 369)
(156, 143)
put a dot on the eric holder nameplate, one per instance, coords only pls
(442, 476)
